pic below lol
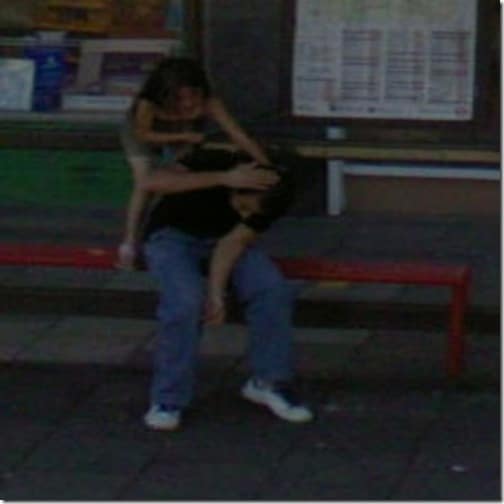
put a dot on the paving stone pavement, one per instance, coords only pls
(73, 432)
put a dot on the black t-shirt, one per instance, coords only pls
(205, 213)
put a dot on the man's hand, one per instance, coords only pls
(246, 176)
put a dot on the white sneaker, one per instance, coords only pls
(160, 418)
(279, 400)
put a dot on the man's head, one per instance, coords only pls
(272, 202)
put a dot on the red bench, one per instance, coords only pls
(458, 278)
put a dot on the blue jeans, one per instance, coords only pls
(174, 259)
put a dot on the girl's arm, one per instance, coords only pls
(128, 250)
(175, 181)
(140, 167)
(144, 132)
(221, 115)
(137, 204)
(227, 251)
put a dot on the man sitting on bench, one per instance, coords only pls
(198, 219)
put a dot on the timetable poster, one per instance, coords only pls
(405, 59)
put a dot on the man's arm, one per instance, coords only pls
(227, 251)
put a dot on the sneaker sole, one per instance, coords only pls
(250, 396)
(159, 426)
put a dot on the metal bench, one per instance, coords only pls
(456, 277)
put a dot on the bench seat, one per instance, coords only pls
(456, 277)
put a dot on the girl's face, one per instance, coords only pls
(190, 102)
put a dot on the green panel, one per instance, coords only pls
(64, 177)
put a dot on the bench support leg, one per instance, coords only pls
(456, 337)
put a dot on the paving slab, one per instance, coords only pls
(391, 356)
(18, 439)
(484, 365)
(61, 485)
(45, 394)
(35, 401)
(340, 452)
(328, 476)
(90, 340)
(19, 333)
(323, 360)
(233, 338)
(459, 459)
(486, 293)
(344, 401)
(114, 408)
(72, 451)
(197, 481)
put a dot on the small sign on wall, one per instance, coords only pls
(16, 84)
(336, 198)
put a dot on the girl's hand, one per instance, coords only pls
(246, 176)
(215, 310)
(126, 256)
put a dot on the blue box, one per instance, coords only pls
(50, 70)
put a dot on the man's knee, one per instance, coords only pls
(282, 290)
(177, 308)
(278, 291)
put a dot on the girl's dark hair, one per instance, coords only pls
(162, 85)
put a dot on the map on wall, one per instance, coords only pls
(405, 59)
